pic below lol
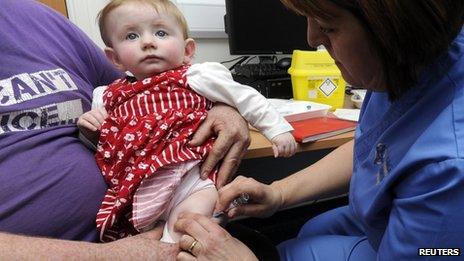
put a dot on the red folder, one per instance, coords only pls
(313, 129)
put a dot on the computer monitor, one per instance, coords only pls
(263, 27)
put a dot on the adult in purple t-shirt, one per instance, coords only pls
(50, 185)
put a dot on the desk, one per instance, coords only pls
(261, 147)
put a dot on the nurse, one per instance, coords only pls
(405, 168)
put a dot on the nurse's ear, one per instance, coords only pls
(189, 51)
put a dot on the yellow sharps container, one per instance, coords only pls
(315, 77)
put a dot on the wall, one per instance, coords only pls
(211, 42)
(212, 50)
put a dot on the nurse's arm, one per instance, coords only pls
(328, 177)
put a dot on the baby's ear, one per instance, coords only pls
(190, 48)
(113, 57)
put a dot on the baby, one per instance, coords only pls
(147, 120)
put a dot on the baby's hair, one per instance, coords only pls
(159, 5)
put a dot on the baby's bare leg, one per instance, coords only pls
(201, 202)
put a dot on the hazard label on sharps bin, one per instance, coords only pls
(327, 87)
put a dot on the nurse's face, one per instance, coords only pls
(348, 43)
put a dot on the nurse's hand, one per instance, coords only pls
(264, 199)
(231, 144)
(203, 239)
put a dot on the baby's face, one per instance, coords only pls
(145, 42)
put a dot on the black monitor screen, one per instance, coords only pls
(263, 27)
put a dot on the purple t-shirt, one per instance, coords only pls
(49, 182)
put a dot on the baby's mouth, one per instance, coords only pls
(151, 58)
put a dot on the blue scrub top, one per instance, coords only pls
(407, 187)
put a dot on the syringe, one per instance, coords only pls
(241, 200)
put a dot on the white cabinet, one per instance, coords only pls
(205, 17)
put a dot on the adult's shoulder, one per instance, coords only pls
(36, 37)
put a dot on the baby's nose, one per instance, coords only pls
(148, 42)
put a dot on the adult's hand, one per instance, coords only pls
(264, 200)
(212, 241)
(231, 143)
(145, 246)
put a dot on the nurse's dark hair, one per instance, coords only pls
(406, 34)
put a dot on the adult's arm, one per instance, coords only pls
(328, 177)
(231, 144)
(145, 246)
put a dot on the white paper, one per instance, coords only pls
(294, 110)
(347, 114)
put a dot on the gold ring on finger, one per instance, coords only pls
(194, 243)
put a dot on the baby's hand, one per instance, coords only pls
(284, 145)
(90, 122)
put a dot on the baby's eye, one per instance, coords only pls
(161, 33)
(131, 36)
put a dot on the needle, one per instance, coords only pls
(243, 199)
